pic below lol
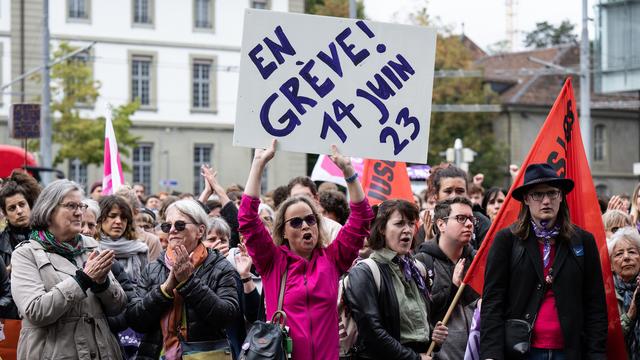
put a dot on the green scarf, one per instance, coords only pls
(68, 250)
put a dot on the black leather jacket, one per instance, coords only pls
(9, 238)
(377, 315)
(210, 297)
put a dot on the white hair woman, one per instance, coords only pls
(624, 252)
(90, 218)
(61, 285)
(188, 279)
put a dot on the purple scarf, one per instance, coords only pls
(410, 271)
(546, 235)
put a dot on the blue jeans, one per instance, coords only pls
(546, 354)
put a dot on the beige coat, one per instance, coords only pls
(60, 321)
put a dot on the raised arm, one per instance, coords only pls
(257, 239)
(229, 210)
(213, 186)
(356, 194)
(260, 159)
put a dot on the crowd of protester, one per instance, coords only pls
(161, 276)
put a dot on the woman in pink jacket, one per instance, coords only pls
(314, 266)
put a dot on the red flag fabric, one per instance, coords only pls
(559, 144)
(382, 180)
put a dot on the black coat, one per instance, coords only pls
(9, 239)
(210, 297)
(514, 287)
(119, 322)
(8, 309)
(229, 213)
(377, 315)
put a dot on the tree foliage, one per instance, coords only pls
(475, 129)
(338, 8)
(73, 88)
(546, 35)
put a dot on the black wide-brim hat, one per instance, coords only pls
(541, 174)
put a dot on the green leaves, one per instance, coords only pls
(74, 89)
(546, 35)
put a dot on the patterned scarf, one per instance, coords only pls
(625, 291)
(546, 235)
(68, 250)
(171, 322)
(410, 271)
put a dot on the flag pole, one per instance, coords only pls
(448, 314)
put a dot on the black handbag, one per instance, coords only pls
(269, 340)
(517, 338)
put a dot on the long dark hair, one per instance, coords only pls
(522, 226)
(106, 204)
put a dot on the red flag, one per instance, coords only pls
(382, 180)
(559, 144)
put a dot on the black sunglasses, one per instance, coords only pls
(179, 225)
(296, 221)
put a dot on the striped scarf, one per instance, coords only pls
(68, 250)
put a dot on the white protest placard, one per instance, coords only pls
(311, 81)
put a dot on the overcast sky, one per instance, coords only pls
(484, 20)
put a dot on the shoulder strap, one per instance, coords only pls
(283, 281)
(375, 270)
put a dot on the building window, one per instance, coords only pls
(141, 80)
(203, 14)
(201, 84)
(201, 155)
(260, 4)
(78, 9)
(142, 10)
(142, 165)
(78, 172)
(599, 143)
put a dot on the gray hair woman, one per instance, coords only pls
(61, 285)
(624, 252)
(187, 279)
(218, 235)
(90, 218)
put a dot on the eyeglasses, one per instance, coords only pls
(462, 219)
(73, 206)
(296, 222)
(178, 225)
(539, 195)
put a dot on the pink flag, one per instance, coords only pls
(326, 170)
(112, 176)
